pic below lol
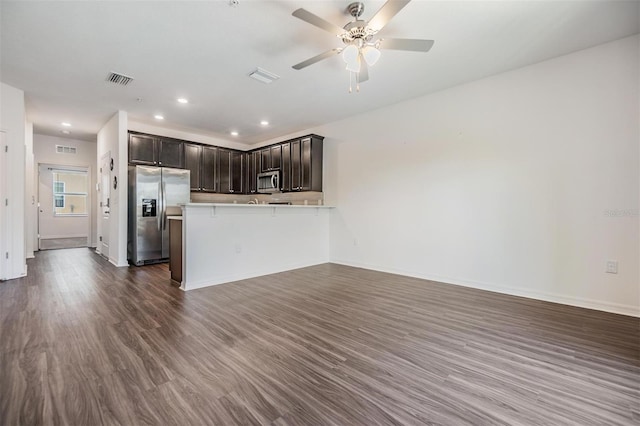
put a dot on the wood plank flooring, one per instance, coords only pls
(85, 343)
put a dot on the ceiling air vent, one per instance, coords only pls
(61, 149)
(263, 75)
(121, 79)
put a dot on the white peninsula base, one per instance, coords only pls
(231, 242)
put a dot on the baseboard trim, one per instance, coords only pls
(56, 237)
(116, 264)
(615, 308)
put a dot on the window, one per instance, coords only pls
(58, 200)
(69, 193)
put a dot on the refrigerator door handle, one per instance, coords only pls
(164, 208)
(160, 206)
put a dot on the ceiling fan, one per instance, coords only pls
(361, 50)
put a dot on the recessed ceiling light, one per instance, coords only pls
(66, 132)
(183, 100)
(234, 133)
(158, 117)
(65, 124)
(264, 123)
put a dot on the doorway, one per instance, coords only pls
(106, 164)
(64, 206)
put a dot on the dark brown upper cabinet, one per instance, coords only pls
(209, 170)
(270, 158)
(296, 174)
(253, 168)
(276, 157)
(285, 167)
(193, 162)
(306, 164)
(156, 151)
(265, 160)
(230, 171)
(142, 150)
(237, 167)
(170, 153)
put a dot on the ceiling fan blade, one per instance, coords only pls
(411, 44)
(363, 75)
(317, 21)
(316, 58)
(386, 12)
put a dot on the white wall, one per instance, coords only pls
(30, 204)
(113, 137)
(44, 148)
(12, 183)
(523, 183)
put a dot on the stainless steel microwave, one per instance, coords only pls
(269, 182)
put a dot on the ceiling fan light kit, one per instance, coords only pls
(361, 52)
(350, 55)
(371, 55)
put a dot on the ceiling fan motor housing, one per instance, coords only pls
(357, 31)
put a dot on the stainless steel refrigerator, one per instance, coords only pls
(154, 194)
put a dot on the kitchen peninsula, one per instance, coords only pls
(230, 242)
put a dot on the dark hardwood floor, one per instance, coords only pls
(85, 343)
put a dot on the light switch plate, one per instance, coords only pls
(612, 267)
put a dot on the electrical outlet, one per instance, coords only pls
(238, 248)
(355, 241)
(612, 267)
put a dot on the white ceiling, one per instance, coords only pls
(60, 53)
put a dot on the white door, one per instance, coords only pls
(105, 203)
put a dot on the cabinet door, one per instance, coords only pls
(254, 168)
(265, 162)
(316, 163)
(209, 169)
(276, 157)
(285, 167)
(142, 150)
(236, 172)
(224, 173)
(305, 165)
(171, 153)
(295, 165)
(246, 158)
(193, 162)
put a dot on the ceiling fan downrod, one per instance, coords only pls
(356, 9)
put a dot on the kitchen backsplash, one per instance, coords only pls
(298, 198)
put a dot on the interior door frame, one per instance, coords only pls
(104, 168)
(52, 166)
